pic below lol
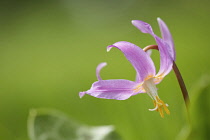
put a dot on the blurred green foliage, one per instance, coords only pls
(45, 124)
(49, 51)
(198, 124)
(200, 115)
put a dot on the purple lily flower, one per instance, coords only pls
(147, 78)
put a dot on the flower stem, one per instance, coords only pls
(182, 85)
(178, 76)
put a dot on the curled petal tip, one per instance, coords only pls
(98, 69)
(81, 94)
(133, 21)
(142, 26)
(158, 18)
(109, 48)
(103, 64)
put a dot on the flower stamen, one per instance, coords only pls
(160, 106)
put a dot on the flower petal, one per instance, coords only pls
(149, 52)
(140, 60)
(98, 69)
(143, 26)
(167, 37)
(166, 60)
(112, 89)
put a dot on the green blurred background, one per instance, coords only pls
(49, 50)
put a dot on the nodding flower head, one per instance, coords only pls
(146, 78)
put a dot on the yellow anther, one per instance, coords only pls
(160, 106)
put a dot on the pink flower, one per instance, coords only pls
(147, 78)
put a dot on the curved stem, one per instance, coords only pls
(151, 47)
(178, 76)
(182, 85)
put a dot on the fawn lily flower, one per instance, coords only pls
(147, 78)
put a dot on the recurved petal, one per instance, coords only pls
(98, 69)
(140, 60)
(149, 52)
(112, 89)
(142, 26)
(81, 94)
(166, 60)
(167, 37)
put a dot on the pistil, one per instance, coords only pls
(160, 106)
(150, 87)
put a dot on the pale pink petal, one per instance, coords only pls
(98, 69)
(167, 37)
(166, 60)
(112, 89)
(140, 60)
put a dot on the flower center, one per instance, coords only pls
(151, 90)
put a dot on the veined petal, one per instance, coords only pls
(167, 37)
(166, 60)
(149, 52)
(112, 89)
(98, 69)
(143, 26)
(139, 89)
(140, 60)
